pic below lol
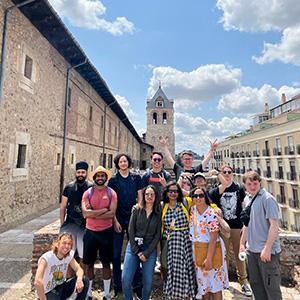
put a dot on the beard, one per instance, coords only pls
(80, 179)
(100, 182)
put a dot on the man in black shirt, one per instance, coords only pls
(71, 218)
(229, 196)
(187, 158)
(128, 187)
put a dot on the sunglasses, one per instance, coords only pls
(227, 172)
(173, 191)
(157, 159)
(198, 196)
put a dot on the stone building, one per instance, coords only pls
(272, 148)
(45, 73)
(160, 120)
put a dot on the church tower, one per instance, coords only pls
(160, 121)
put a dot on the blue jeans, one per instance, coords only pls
(117, 272)
(131, 264)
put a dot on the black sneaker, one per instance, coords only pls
(138, 292)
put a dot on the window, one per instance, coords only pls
(92, 168)
(58, 159)
(104, 160)
(164, 118)
(102, 121)
(154, 118)
(21, 156)
(278, 143)
(159, 104)
(72, 159)
(91, 113)
(69, 97)
(144, 150)
(110, 160)
(257, 147)
(28, 67)
(270, 187)
(290, 142)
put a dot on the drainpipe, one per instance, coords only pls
(104, 128)
(4, 42)
(62, 169)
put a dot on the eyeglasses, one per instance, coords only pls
(198, 196)
(173, 191)
(157, 159)
(227, 172)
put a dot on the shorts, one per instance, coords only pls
(94, 241)
(77, 233)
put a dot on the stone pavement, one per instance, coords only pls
(15, 267)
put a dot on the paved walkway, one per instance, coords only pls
(15, 268)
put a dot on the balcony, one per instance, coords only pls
(281, 199)
(256, 153)
(232, 155)
(290, 150)
(266, 152)
(284, 225)
(248, 154)
(277, 151)
(279, 174)
(294, 203)
(291, 176)
(242, 154)
(267, 174)
(295, 228)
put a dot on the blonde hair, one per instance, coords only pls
(57, 241)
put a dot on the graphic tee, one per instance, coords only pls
(230, 203)
(56, 270)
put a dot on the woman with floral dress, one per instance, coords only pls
(180, 274)
(208, 248)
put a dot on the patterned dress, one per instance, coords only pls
(201, 225)
(180, 282)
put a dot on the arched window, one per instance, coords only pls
(154, 119)
(164, 120)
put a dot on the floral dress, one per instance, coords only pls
(180, 282)
(216, 279)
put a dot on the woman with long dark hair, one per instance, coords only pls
(208, 248)
(144, 235)
(179, 276)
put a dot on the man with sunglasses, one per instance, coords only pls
(157, 176)
(229, 196)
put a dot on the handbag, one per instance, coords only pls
(201, 250)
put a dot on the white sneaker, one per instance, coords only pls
(246, 290)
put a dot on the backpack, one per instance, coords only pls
(91, 192)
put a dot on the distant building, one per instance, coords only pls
(160, 120)
(272, 148)
(40, 53)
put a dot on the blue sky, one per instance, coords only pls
(219, 60)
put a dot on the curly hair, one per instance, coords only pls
(55, 244)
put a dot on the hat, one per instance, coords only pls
(199, 174)
(100, 169)
(82, 165)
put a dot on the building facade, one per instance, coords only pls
(160, 121)
(45, 74)
(272, 148)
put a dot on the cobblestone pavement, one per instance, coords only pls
(15, 269)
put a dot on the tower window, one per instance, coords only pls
(164, 121)
(154, 119)
(159, 104)
(28, 67)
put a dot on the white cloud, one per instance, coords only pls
(259, 15)
(202, 84)
(247, 100)
(287, 51)
(126, 107)
(88, 14)
(195, 132)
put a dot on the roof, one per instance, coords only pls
(168, 103)
(41, 14)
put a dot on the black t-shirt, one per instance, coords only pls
(74, 191)
(150, 177)
(179, 169)
(230, 203)
(126, 189)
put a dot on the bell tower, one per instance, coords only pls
(160, 120)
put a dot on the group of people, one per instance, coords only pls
(186, 223)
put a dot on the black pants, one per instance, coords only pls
(66, 289)
(264, 277)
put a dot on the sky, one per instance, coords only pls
(220, 60)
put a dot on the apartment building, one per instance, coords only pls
(272, 148)
(55, 109)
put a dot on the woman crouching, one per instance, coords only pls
(144, 234)
(50, 279)
(208, 248)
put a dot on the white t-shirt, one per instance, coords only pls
(56, 270)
